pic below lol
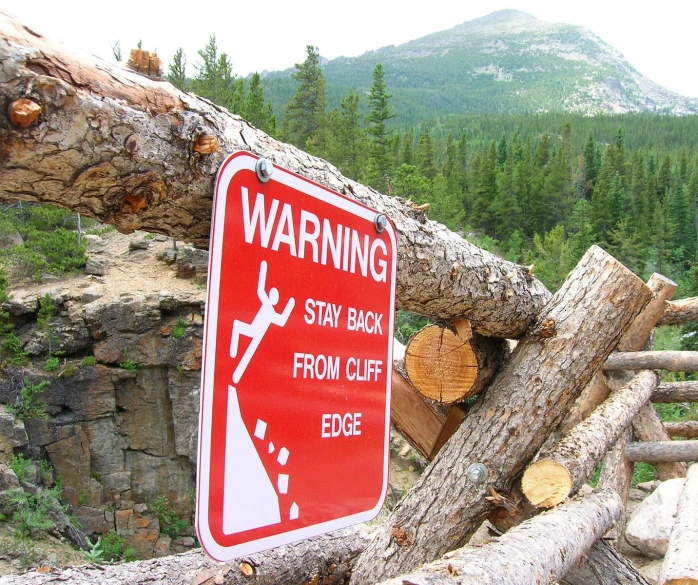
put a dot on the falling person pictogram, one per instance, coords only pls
(260, 324)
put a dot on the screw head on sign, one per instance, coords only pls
(477, 473)
(380, 221)
(264, 169)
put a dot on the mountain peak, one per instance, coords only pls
(506, 18)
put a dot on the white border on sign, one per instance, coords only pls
(236, 162)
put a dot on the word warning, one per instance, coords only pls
(295, 398)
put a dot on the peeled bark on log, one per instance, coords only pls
(525, 401)
(325, 559)
(680, 566)
(603, 565)
(671, 392)
(541, 550)
(119, 147)
(617, 475)
(680, 312)
(649, 427)
(663, 451)
(560, 472)
(686, 429)
(673, 361)
(448, 368)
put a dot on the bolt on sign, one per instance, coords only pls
(295, 399)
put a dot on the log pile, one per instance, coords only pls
(139, 154)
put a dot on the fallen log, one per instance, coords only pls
(540, 550)
(650, 428)
(448, 366)
(680, 312)
(680, 566)
(525, 401)
(687, 429)
(670, 392)
(325, 559)
(663, 451)
(673, 361)
(123, 149)
(561, 471)
(603, 565)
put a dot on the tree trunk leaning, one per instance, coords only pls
(541, 550)
(680, 566)
(326, 559)
(663, 451)
(648, 427)
(127, 158)
(604, 565)
(671, 392)
(448, 368)
(686, 429)
(673, 361)
(680, 312)
(560, 472)
(525, 401)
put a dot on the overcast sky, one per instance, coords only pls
(658, 38)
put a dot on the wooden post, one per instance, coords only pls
(680, 566)
(680, 312)
(540, 550)
(663, 451)
(670, 392)
(617, 475)
(673, 361)
(560, 472)
(603, 565)
(649, 427)
(525, 401)
(686, 429)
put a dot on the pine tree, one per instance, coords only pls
(425, 155)
(256, 110)
(177, 75)
(352, 135)
(378, 131)
(304, 118)
(215, 80)
(591, 166)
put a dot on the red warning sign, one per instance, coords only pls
(295, 399)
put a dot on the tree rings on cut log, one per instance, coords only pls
(441, 365)
(546, 483)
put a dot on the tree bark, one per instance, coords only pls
(670, 392)
(686, 429)
(540, 550)
(603, 565)
(525, 401)
(325, 559)
(120, 147)
(617, 475)
(680, 312)
(673, 361)
(663, 451)
(561, 471)
(649, 427)
(680, 566)
(448, 368)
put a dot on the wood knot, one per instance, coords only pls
(401, 536)
(452, 570)
(546, 329)
(24, 112)
(145, 63)
(131, 144)
(133, 203)
(205, 144)
(456, 269)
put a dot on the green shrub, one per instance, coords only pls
(71, 368)
(179, 329)
(20, 466)
(128, 364)
(51, 364)
(170, 523)
(27, 405)
(95, 555)
(642, 472)
(13, 349)
(32, 512)
(89, 360)
(113, 546)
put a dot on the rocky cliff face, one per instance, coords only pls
(122, 432)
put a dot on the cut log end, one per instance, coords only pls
(546, 483)
(441, 365)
